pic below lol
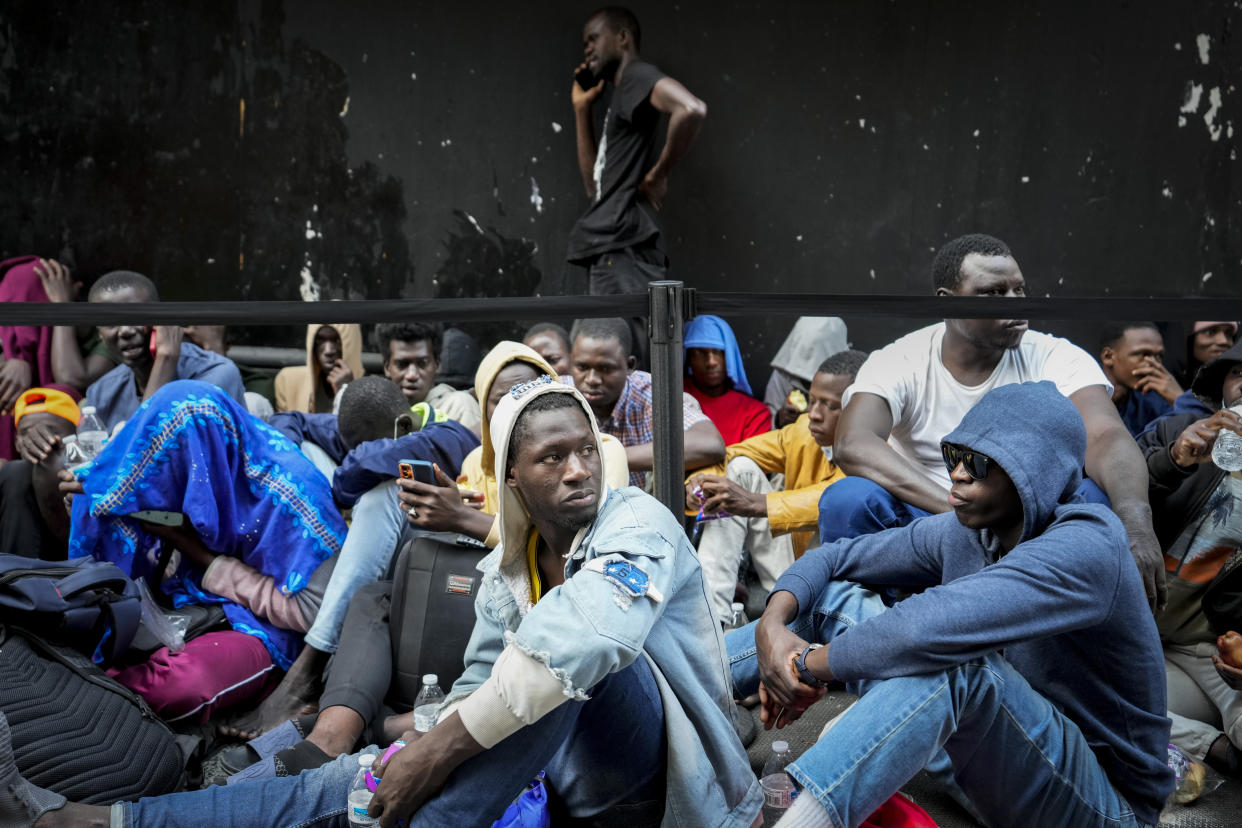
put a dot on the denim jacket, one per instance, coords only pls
(588, 628)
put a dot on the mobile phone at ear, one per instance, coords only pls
(586, 79)
(152, 342)
(419, 470)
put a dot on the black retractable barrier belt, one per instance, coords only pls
(733, 305)
(308, 313)
(1103, 309)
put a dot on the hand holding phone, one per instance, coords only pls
(419, 470)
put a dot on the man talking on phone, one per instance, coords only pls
(617, 238)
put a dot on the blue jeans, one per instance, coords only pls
(1015, 756)
(376, 532)
(604, 758)
(857, 506)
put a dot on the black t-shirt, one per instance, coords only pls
(618, 217)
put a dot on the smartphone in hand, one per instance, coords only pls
(586, 79)
(419, 470)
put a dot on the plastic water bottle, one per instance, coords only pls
(72, 457)
(91, 433)
(359, 796)
(427, 705)
(778, 787)
(1227, 451)
(737, 617)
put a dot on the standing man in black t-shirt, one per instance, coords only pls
(617, 238)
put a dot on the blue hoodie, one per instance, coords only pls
(1066, 604)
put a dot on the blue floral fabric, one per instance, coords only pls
(244, 487)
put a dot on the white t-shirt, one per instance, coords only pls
(927, 402)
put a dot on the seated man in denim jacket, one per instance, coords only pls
(594, 656)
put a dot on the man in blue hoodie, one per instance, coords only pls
(1031, 657)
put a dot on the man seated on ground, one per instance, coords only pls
(774, 525)
(1031, 658)
(378, 426)
(33, 521)
(1197, 509)
(25, 350)
(909, 393)
(357, 682)
(241, 491)
(411, 355)
(611, 600)
(716, 378)
(812, 340)
(147, 366)
(333, 359)
(1131, 354)
(1206, 342)
(471, 509)
(601, 367)
(551, 342)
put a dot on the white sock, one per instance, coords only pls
(806, 812)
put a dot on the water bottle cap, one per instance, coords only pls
(431, 678)
(68, 438)
(736, 607)
(780, 747)
(87, 410)
(366, 760)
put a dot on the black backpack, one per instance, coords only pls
(85, 604)
(78, 732)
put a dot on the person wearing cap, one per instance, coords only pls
(1197, 513)
(33, 520)
(594, 657)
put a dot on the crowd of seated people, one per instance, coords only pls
(984, 481)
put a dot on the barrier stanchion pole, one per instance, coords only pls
(664, 326)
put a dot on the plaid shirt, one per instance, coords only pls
(631, 417)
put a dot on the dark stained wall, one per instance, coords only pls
(381, 148)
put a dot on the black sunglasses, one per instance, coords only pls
(976, 463)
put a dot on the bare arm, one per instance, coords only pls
(167, 354)
(68, 366)
(686, 114)
(861, 448)
(1115, 463)
(703, 446)
(582, 100)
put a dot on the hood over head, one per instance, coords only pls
(1036, 435)
(1211, 377)
(351, 349)
(505, 352)
(812, 340)
(514, 520)
(709, 331)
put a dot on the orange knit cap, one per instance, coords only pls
(49, 400)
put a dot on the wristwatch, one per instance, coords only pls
(804, 675)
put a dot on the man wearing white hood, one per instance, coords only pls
(594, 657)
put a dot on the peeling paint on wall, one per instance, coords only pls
(1209, 117)
(1204, 43)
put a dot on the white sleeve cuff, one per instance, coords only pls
(520, 691)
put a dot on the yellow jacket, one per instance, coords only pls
(792, 451)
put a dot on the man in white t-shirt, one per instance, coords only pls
(911, 393)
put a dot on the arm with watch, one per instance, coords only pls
(793, 671)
